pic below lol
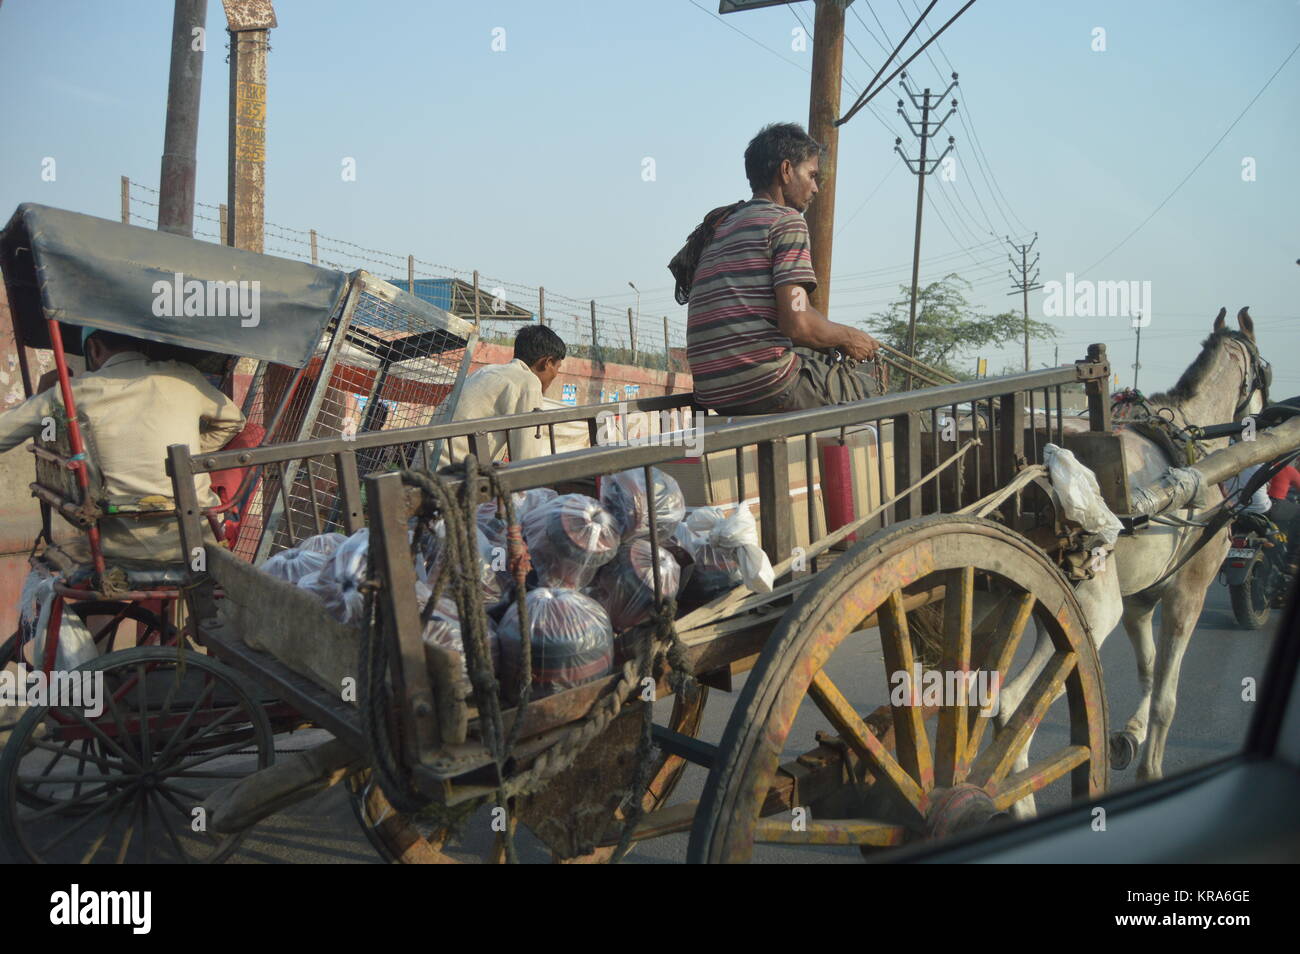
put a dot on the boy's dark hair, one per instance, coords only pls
(772, 146)
(534, 342)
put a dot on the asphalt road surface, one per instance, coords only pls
(1211, 723)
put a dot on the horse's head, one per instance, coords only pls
(1257, 374)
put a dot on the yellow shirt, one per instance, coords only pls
(130, 410)
(497, 391)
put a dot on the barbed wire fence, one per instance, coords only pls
(591, 328)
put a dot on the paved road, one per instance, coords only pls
(1211, 723)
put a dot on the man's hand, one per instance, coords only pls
(859, 345)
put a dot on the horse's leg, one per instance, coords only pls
(1010, 697)
(1125, 745)
(1181, 611)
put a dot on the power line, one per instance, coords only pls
(1198, 165)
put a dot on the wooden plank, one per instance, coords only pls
(1103, 454)
(775, 519)
(907, 463)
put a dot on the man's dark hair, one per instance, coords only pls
(119, 342)
(535, 342)
(772, 146)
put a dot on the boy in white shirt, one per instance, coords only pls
(500, 390)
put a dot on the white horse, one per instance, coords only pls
(1225, 383)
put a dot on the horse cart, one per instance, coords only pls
(834, 742)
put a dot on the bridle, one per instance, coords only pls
(1258, 377)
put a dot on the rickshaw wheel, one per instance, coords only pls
(168, 727)
(398, 838)
(924, 787)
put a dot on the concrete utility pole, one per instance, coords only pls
(180, 138)
(248, 22)
(921, 168)
(1137, 358)
(1024, 284)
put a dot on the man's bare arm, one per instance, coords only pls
(804, 325)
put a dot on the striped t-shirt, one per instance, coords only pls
(737, 354)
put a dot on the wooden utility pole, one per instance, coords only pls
(823, 110)
(249, 23)
(1025, 283)
(923, 167)
(181, 133)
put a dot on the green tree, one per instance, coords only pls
(949, 331)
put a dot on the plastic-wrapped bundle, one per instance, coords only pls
(623, 495)
(717, 571)
(569, 539)
(326, 543)
(292, 565)
(443, 629)
(572, 642)
(494, 526)
(731, 540)
(338, 583)
(626, 585)
(493, 575)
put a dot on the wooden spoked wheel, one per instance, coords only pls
(836, 656)
(119, 771)
(400, 838)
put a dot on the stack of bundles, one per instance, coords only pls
(310, 556)
(494, 524)
(726, 553)
(624, 496)
(569, 538)
(494, 579)
(626, 587)
(443, 629)
(338, 583)
(572, 642)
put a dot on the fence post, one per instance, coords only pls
(126, 201)
(541, 305)
(595, 347)
(668, 352)
(223, 215)
(313, 245)
(631, 334)
(410, 274)
(476, 297)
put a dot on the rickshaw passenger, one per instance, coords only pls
(130, 409)
(513, 388)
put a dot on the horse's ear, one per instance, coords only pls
(1219, 324)
(1244, 322)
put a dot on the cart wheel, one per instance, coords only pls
(118, 774)
(399, 839)
(925, 787)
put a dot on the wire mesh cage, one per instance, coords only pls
(387, 360)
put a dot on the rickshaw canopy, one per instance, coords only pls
(81, 270)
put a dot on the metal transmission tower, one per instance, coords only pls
(922, 167)
(1025, 284)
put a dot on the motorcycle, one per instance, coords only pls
(1256, 570)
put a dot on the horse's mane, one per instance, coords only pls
(1196, 373)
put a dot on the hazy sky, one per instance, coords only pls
(527, 163)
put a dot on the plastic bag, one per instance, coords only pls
(1080, 494)
(572, 642)
(443, 629)
(292, 565)
(494, 578)
(325, 543)
(623, 495)
(738, 534)
(76, 644)
(569, 538)
(626, 585)
(339, 582)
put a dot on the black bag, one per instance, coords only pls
(687, 259)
